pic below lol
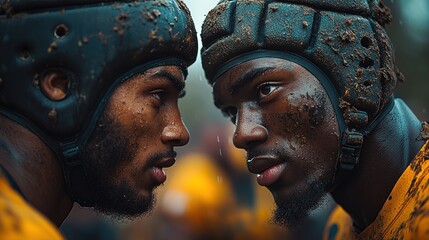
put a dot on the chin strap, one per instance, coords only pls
(74, 175)
(352, 139)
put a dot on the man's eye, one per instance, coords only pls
(158, 94)
(266, 89)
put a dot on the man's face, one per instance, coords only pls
(286, 123)
(134, 140)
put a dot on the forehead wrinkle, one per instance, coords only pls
(253, 73)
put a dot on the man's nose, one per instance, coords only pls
(249, 129)
(175, 133)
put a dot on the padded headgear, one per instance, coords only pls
(97, 45)
(344, 39)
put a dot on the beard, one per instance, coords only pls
(106, 152)
(292, 211)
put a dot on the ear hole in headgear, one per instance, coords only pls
(61, 31)
(366, 63)
(25, 54)
(367, 83)
(55, 83)
(366, 42)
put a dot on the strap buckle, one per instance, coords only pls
(351, 146)
(71, 155)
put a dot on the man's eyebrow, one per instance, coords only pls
(177, 83)
(247, 77)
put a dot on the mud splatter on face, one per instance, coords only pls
(311, 109)
(317, 111)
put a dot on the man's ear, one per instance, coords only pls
(55, 84)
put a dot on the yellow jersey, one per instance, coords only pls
(405, 215)
(18, 220)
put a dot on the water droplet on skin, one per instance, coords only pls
(220, 152)
(217, 138)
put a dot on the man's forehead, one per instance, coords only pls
(266, 62)
(173, 74)
(254, 68)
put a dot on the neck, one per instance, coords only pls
(386, 153)
(35, 169)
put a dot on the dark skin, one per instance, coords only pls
(146, 101)
(147, 120)
(286, 123)
(35, 169)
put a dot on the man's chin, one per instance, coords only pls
(289, 217)
(126, 207)
(292, 211)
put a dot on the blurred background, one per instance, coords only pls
(209, 194)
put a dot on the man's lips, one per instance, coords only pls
(165, 162)
(268, 169)
(157, 170)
